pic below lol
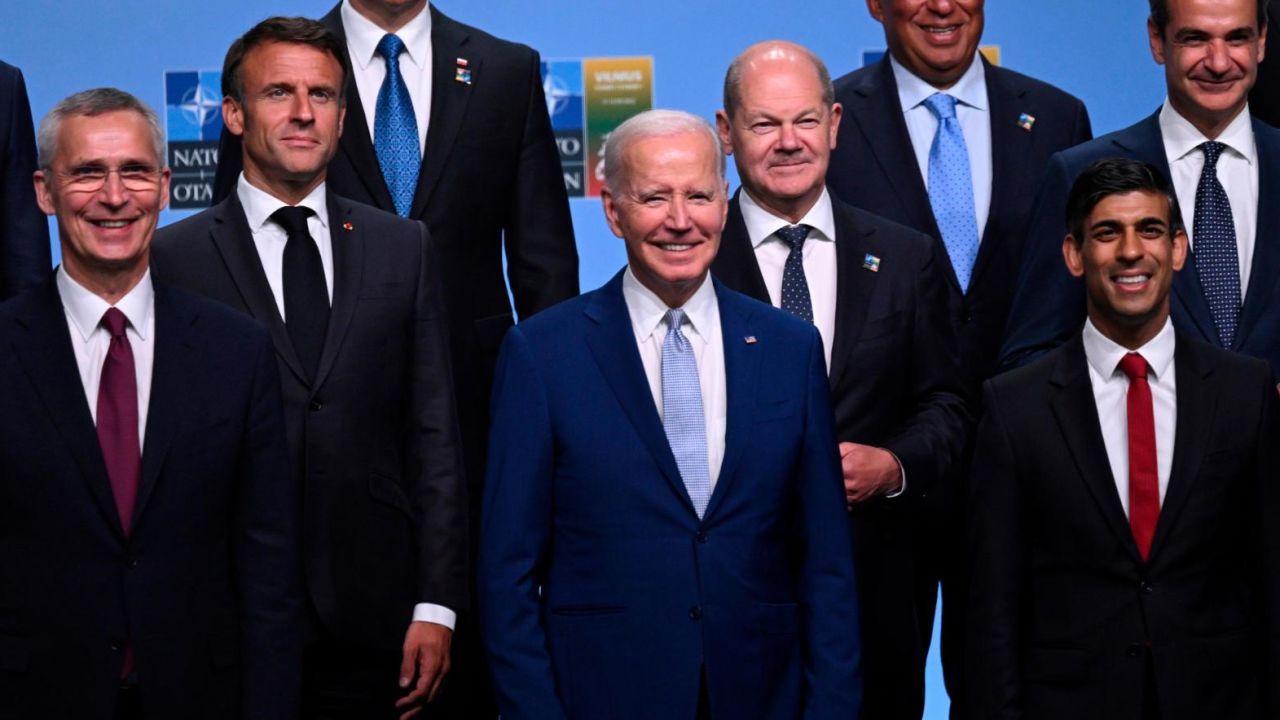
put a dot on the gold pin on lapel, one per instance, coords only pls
(348, 226)
(750, 339)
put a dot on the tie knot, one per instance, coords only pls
(1212, 150)
(390, 47)
(1134, 366)
(675, 318)
(293, 219)
(942, 105)
(114, 321)
(794, 236)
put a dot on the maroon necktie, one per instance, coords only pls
(118, 430)
(1144, 480)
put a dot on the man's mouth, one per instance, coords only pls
(940, 30)
(110, 224)
(1132, 280)
(676, 247)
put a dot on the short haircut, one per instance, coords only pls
(91, 103)
(296, 30)
(1160, 14)
(733, 80)
(654, 123)
(1116, 176)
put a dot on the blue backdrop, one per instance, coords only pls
(1095, 49)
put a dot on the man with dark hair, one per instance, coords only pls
(876, 293)
(24, 232)
(1222, 164)
(1124, 552)
(148, 562)
(351, 296)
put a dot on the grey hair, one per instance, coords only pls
(733, 77)
(91, 103)
(654, 123)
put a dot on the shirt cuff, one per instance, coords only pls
(901, 472)
(438, 614)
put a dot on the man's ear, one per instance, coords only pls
(1073, 255)
(232, 116)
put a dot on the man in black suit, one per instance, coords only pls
(1011, 124)
(876, 293)
(1124, 545)
(1264, 98)
(24, 231)
(148, 563)
(1227, 293)
(351, 297)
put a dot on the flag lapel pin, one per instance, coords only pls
(750, 339)
(871, 262)
(462, 73)
(1026, 122)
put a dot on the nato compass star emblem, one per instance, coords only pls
(556, 92)
(200, 106)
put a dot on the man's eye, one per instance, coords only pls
(137, 171)
(87, 172)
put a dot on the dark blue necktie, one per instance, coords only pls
(795, 288)
(1217, 259)
(395, 130)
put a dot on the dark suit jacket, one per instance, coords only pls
(1049, 305)
(874, 167)
(895, 383)
(206, 586)
(374, 437)
(24, 231)
(1064, 610)
(1264, 98)
(601, 592)
(490, 179)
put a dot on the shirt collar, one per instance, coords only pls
(363, 36)
(1181, 137)
(970, 89)
(1104, 354)
(647, 310)
(762, 224)
(86, 309)
(259, 204)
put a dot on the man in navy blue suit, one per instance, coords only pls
(1224, 166)
(663, 528)
(24, 231)
(148, 563)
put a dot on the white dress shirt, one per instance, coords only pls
(1237, 171)
(1111, 393)
(369, 68)
(648, 320)
(90, 339)
(818, 258)
(269, 240)
(973, 111)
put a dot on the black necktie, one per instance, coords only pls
(306, 297)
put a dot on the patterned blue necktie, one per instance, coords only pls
(951, 188)
(1217, 259)
(682, 416)
(395, 130)
(795, 288)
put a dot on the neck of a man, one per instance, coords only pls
(790, 209)
(389, 17)
(1211, 125)
(1130, 335)
(286, 191)
(110, 284)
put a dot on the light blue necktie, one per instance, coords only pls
(682, 416)
(395, 130)
(951, 188)
(795, 287)
(1217, 258)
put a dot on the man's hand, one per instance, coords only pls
(426, 655)
(868, 472)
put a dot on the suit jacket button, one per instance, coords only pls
(966, 317)
(133, 563)
(1134, 650)
(695, 613)
(115, 647)
(316, 406)
(1146, 588)
(702, 536)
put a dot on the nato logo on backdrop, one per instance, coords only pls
(193, 124)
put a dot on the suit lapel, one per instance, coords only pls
(449, 100)
(613, 345)
(1010, 147)
(742, 370)
(736, 263)
(853, 288)
(1197, 408)
(1077, 415)
(348, 268)
(47, 356)
(357, 142)
(1266, 243)
(234, 241)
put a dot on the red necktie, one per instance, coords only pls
(1144, 479)
(118, 430)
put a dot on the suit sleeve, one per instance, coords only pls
(1048, 303)
(439, 491)
(937, 424)
(542, 257)
(1083, 131)
(1267, 510)
(515, 534)
(998, 569)
(24, 231)
(828, 593)
(268, 561)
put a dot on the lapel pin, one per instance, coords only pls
(750, 339)
(1026, 122)
(871, 262)
(462, 73)
(348, 226)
